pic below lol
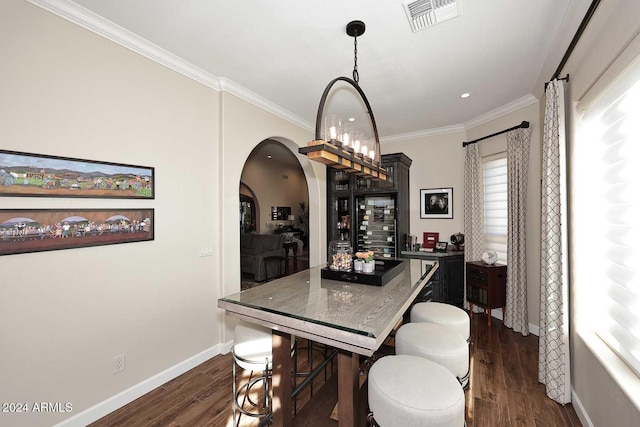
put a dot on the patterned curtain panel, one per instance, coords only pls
(473, 212)
(517, 317)
(553, 365)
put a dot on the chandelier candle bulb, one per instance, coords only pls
(333, 127)
(345, 140)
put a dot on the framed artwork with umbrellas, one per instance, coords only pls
(36, 230)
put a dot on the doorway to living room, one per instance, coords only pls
(273, 214)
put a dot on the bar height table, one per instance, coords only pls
(352, 317)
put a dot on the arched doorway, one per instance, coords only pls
(275, 185)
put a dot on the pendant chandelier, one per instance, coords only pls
(344, 146)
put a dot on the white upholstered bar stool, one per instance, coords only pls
(251, 352)
(411, 391)
(447, 315)
(438, 344)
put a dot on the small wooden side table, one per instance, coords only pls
(293, 245)
(274, 258)
(486, 287)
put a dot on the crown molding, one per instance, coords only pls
(97, 24)
(516, 105)
(422, 133)
(231, 87)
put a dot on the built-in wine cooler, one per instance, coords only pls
(376, 225)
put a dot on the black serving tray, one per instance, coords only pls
(383, 273)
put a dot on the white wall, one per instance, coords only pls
(66, 314)
(438, 161)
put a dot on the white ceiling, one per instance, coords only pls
(500, 51)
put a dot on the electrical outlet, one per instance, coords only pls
(205, 251)
(119, 363)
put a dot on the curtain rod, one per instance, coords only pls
(559, 78)
(522, 125)
(576, 38)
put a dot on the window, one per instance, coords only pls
(606, 183)
(494, 171)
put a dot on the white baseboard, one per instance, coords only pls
(582, 414)
(113, 403)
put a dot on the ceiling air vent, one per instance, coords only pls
(425, 13)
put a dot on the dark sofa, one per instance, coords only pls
(254, 248)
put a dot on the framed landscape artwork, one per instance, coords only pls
(436, 203)
(36, 230)
(27, 174)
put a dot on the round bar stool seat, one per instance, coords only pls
(411, 391)
(447, 315)
(251, 352)
(438, 344)
(252, 346)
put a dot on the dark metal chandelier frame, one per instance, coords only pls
(339, 156)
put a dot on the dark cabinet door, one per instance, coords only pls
(447, 283)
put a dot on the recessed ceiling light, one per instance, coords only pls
(352, 119)
(268, 156)
(465, 95)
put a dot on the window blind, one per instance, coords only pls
(494, 173)
(612, 123)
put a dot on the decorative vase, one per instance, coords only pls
(357, 265)
(489, 257)
(368, 267)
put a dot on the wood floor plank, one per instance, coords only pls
(528, 357)
(572, 415)
(202, 413)
(319, 414)
(545, 411)
(489, 383)
(488, 338)
(513, 377)
(145, 407)
(198, 385)
(520, 409)
(167, 417)
(489, 414)
(528, 340)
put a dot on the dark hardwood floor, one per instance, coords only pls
(504, 390)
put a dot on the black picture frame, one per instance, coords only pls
(436, 203)
(37, 230)
(440, 247)
(39, 175)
